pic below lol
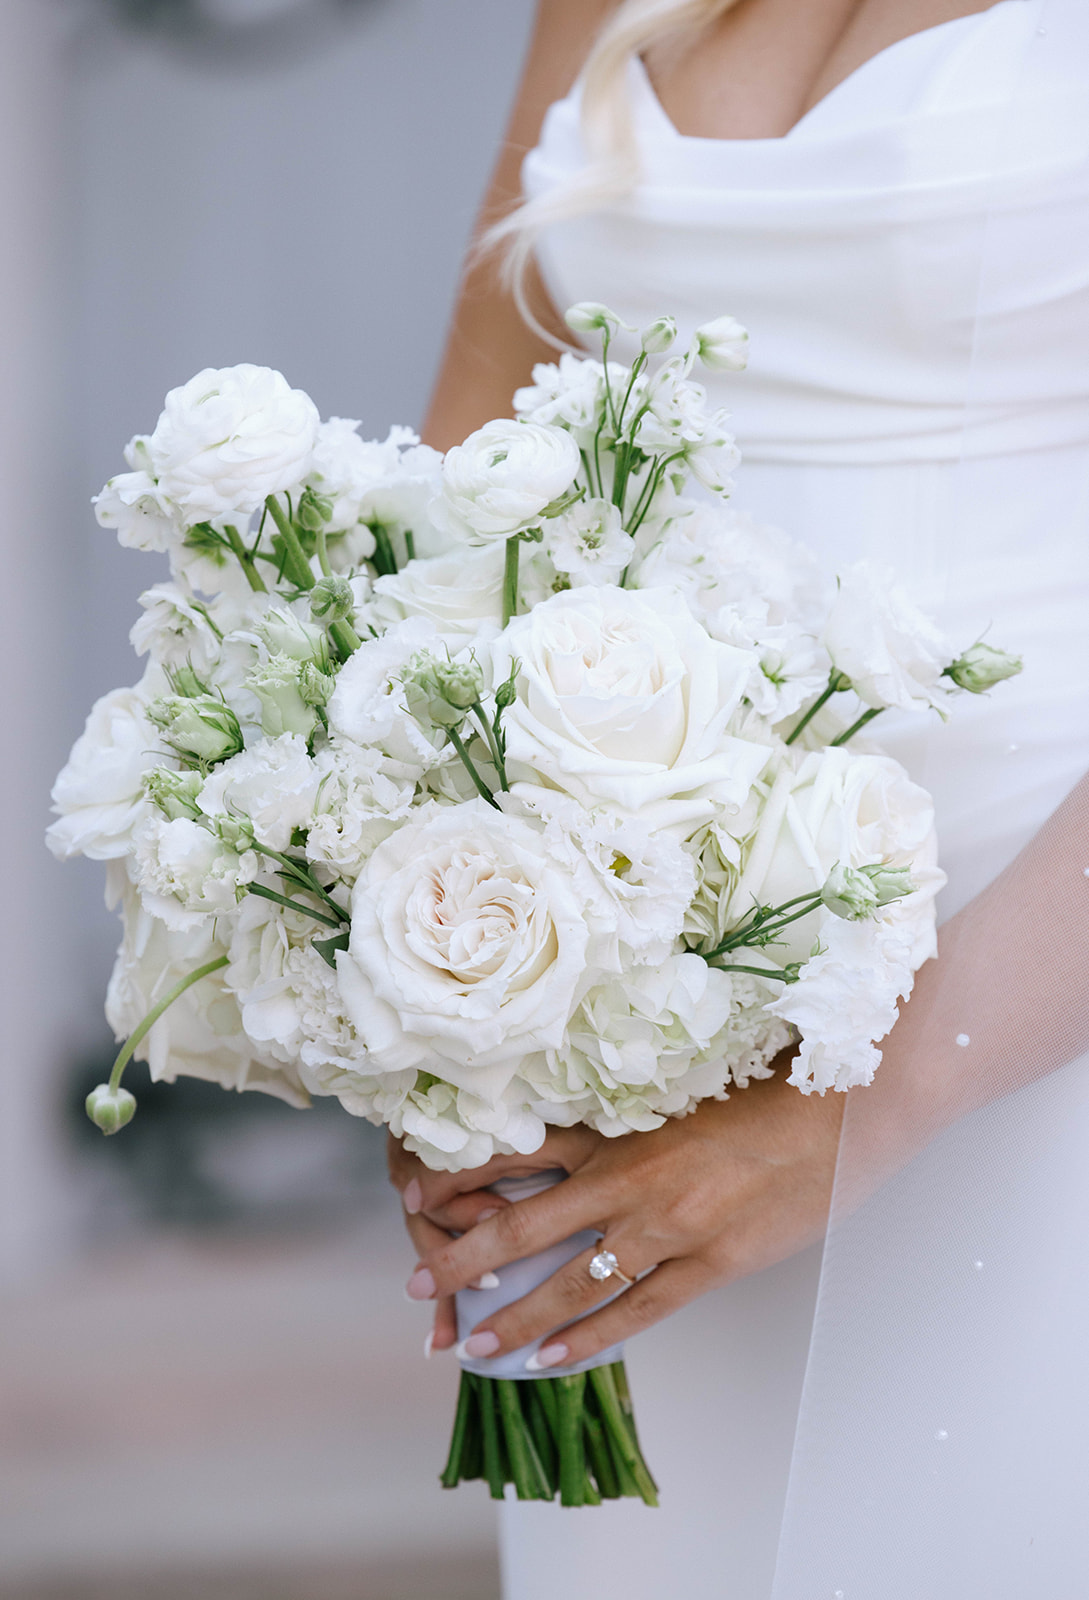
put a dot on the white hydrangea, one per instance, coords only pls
(569, 393)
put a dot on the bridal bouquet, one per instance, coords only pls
(510, 789)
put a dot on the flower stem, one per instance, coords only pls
(510, 580)
(856, 727)
(301, 573)
(836, 683)
(493, 745)
(124, 1055)
(481, 787)
(245, 561)
(294, 905)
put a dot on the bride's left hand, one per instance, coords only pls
(734, 1187)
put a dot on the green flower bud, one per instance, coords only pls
(315, 686)
(722, 345)
(314, 511)
(235, 832)
(589, 315)
(203, 727)
(331, 599)
(981, 667)
(276, 683)
(184, 681)
(283, 633)
(506, 694)
(850, 894)
(441, 692)
(658, 335)
(175, 793)
(890, 883)
(110, 1109)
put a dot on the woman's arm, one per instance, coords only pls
(741, 1184)
(490, 350)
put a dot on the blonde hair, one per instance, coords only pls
(607, 131)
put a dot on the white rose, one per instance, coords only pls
(200, 1035)
(230, 437)
(876, 636)
(99, 793)
(589, 543)
(273, 784)
(502, 478)
(458, 593)
(368, 704)
(623, 700)
(468, 948)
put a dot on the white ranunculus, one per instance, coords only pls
(846, 999)
(468, 947)
(99, 793)
(230, 437)
(892, 653)
(273, 784)
(502, 478)
(136, 507)
(624, 701)
(588, 542)
(459, 593)
(839, 807)
(368, 704)
(358, 806)
(200, 1035)
(182, 869)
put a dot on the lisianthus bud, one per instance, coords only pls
(283, 633)
(441, 692)
(506, 694)
(184, 681)
(315, 686)
(235, 832)
(202, 727)
(723, 345)
(981, 667)
(850, 893)
(314, 510)
(658, 335)
(890, 883)
(175, 793)
(588, 315)
(276, 683)
(110, 1109)
(331, 599)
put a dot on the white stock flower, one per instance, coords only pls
(569, 393)
(389, 481)
(676, 414)
(176, 629)
(877, 637)
(99, 792)
(623, 701)
(134, 505)
(588, 542)
(230, 437)
(273, 784)
(182, 870)
(368, 704)
(458, 593)
(502, 478)
(468, 947)
(722, 345)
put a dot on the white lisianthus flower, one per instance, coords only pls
(722, 345)
(389, 481)
(273, 784)
(460, 594)
(230, 437)
(183, 870)
(502, 478)
(877, 637)
(200, 1035)
(623, 701)
(588, 542)
(792, 667)
(368, 705)
(287, 992)
(99, 793)
(136, 507)
(846, 999)
(468, 947)
(358, 805)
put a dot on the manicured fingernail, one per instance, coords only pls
(412, 1199)
(492, 1211)
(479, 1345)
(428, 1342)
(550, 1355)
(421, 1285)
(487, 1280)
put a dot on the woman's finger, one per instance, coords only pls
(564, 1150)
(514, 1232)
(654, 1297)
(444, 1329)
(464, 1211)
(569, 1293)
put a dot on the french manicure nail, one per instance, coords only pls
(492, 1211)
(551, 1355)
(412, 1199)
(421, 1285)
(428, 1342)
(487, 1280)
(479, 1345)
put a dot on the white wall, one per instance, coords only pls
(310, 216)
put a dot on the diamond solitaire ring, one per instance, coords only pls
(605, 1265)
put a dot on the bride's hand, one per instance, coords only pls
(732, 1188)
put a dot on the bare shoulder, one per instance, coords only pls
(563, 34)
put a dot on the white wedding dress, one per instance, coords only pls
(913, 263)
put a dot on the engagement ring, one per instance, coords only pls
(605, 1265)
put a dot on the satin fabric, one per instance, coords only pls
(913, 263)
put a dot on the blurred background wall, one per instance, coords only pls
(301, 200)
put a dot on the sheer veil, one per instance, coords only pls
(942, 1448)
